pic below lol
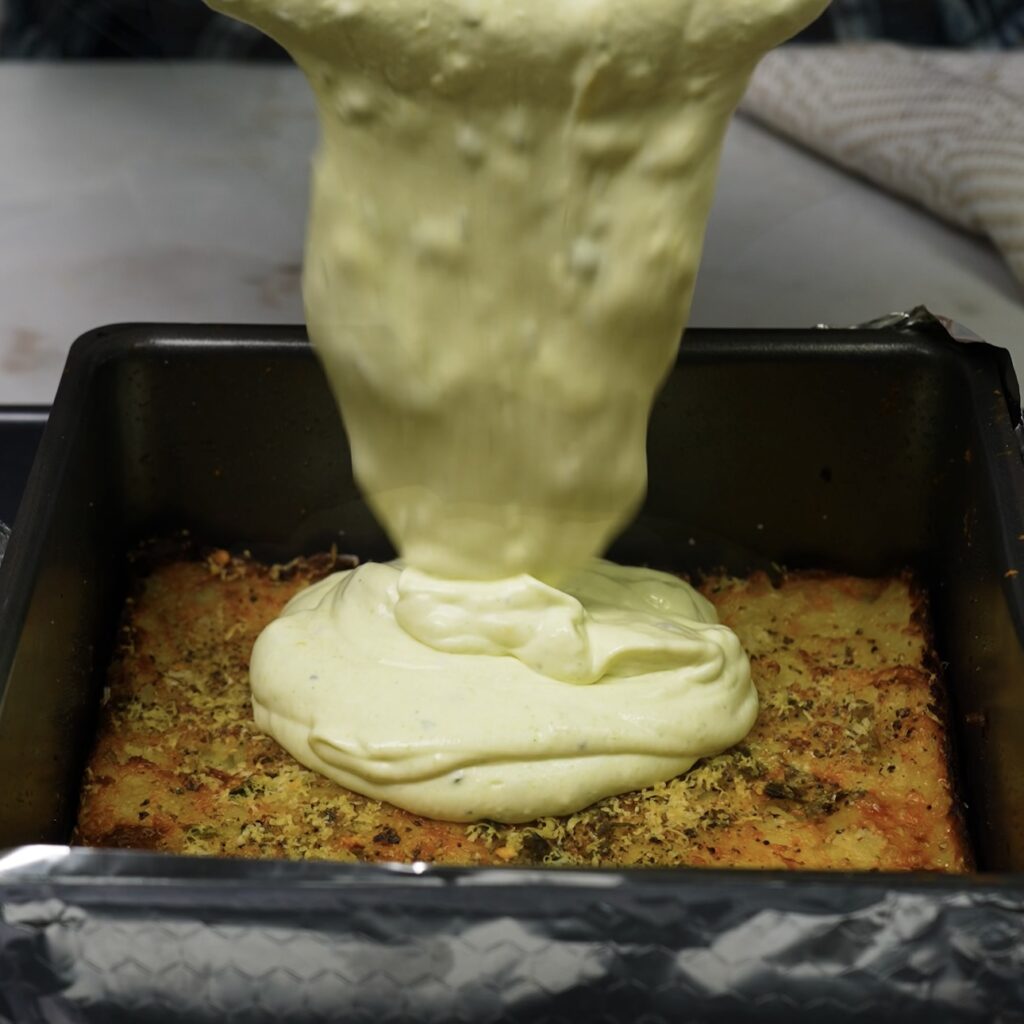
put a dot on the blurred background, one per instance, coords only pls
(184, 28)
(154, 166)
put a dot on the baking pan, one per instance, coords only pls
(21, 428)
(861, 451)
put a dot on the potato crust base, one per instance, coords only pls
(847, 768)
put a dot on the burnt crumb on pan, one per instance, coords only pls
(848, 767)
(535, 847)
(388, 836)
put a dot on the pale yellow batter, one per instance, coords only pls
(496, 720)
(508, 209)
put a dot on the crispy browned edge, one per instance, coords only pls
(362, 829)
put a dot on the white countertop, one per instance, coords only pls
(178, 192)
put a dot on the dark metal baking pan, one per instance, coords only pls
(21, 429)
(862, 451)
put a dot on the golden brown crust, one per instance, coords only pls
(847, 767)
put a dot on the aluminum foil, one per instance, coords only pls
(117, 937)
(920, 317)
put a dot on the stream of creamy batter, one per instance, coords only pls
(509, 203)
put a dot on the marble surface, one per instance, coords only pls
(178, 192)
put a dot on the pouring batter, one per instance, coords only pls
(509, 203)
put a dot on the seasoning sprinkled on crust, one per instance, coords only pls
(847, 767)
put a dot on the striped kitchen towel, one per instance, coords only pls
(941, 128)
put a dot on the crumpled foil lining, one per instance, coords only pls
(917, 318)
(109, 937)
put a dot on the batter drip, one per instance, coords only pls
(509, 203)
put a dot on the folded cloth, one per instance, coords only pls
(942, 129)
